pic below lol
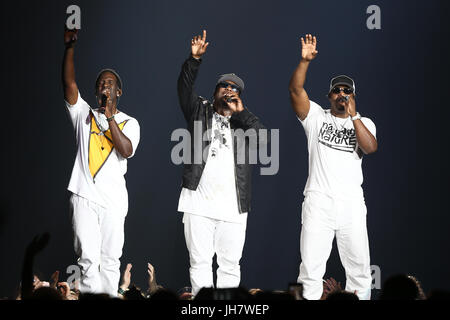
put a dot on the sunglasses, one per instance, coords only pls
(346, 90)
(226, 85)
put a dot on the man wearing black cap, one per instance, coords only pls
(106, 138)
(334, 201)
(216, 193)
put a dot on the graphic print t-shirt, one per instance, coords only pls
(99, 169)
(334, 156)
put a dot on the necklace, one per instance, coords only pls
(102, 138)
(103, 134)
(335, 124)
(343, 130)
(222, 123)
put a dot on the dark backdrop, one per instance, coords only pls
(401, 74)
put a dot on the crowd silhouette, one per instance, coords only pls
(34, 287)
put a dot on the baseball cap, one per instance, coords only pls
(342, 80)
(232, 77)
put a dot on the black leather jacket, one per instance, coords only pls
(196, 108)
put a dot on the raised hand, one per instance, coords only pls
(151, 274)
(70, 37)
(54, 279)
(40, 284)
(309, 51)
(199, 45)
(331, 286)
(126, 278)
(38, 243)
(64, 290)
(152, 285)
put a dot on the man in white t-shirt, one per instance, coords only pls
(216, 193)
(334, 201)
(106, 138)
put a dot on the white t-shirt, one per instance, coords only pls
(216, 195)
(99, 169)
(334, 163)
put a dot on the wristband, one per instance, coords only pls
(356, 117)
(121, 291)
(110, 118)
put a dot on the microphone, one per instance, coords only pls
(229, 99)
(103, 104)
(344, 99)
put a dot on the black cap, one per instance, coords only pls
(232, 77)
(342, 80)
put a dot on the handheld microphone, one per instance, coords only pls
(103, 104)
(343, 99)
(229, 99)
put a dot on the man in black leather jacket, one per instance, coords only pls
(216, 193)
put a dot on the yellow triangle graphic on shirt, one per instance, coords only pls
(100, 146)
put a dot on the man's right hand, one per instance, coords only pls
(199, 45)
(38, 244)
(70, 37)
(309, 51)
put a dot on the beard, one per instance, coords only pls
(340, 104)
(220, 100)
(340, 107)
(224, 103)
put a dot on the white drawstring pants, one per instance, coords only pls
(98, 242)
(206, 237)
(323, 218)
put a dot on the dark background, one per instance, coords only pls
(401, 74)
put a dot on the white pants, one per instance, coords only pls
(204, 237)
(323, 218)
(98, 242)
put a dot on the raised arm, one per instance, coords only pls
(188, 74)
(38, 243)
(68, 69)
(299, 97)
